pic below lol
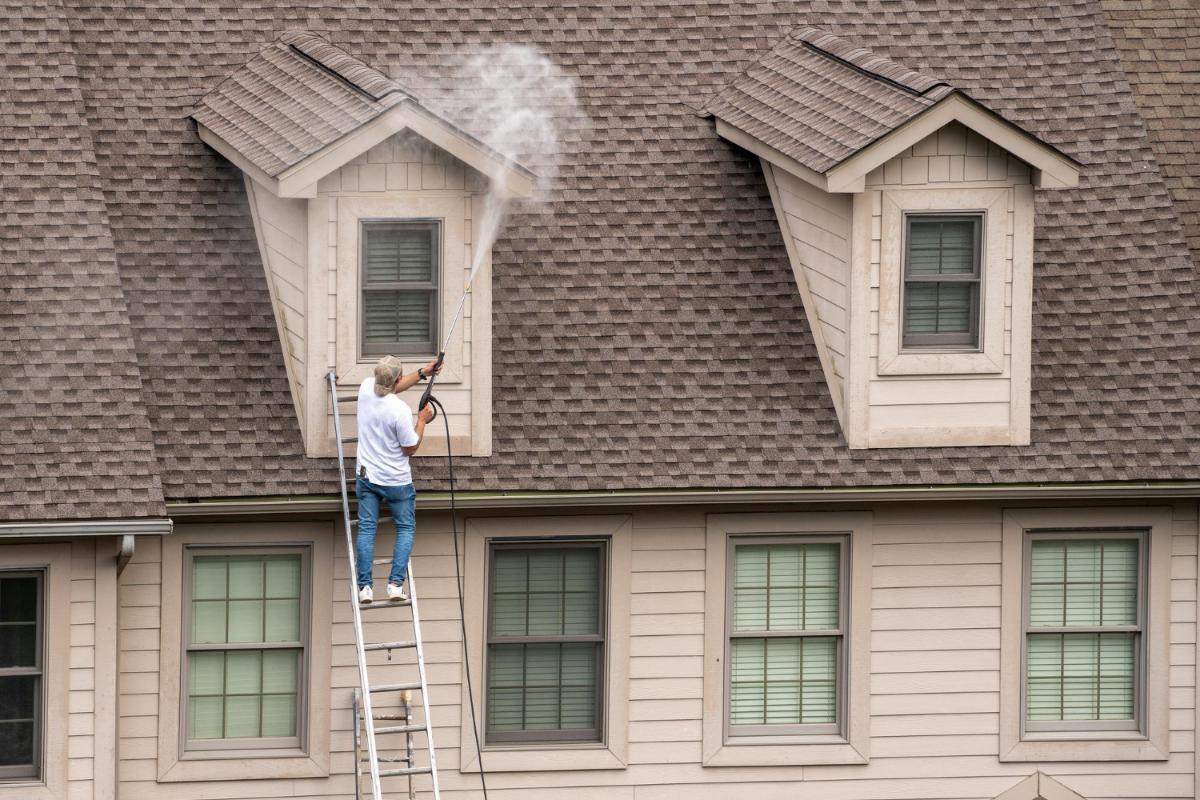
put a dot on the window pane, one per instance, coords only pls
(18, 599)
(1081, 676)
(209, 578)
(934, 307)
(1080, 582)
(397, 316)
(206, 717)
(542, 686)
(206, 673)
(783, 680)
(243, 672)
(16, 743)
(18, 697)
(941, 247)
(243, 716)
(18, 644)
(208, 622)
(246, 578)
(282, 621)
(283, 576)
(786, 586)
(399, 252)
(245, 620)
(546, 592)
(279, 715)
(280, 670)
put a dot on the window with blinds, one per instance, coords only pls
(546, 642)
(1083, 631)
(21, 673)
(246, 649)
(786, 635)
(400, 265)
(941, 280)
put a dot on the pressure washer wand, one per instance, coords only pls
(462, 301)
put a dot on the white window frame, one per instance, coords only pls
(849, 743)
(235, 762)
(988, 356)
(1148, 741)
(612, 751)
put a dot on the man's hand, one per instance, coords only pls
(425, 415)
(432, 368)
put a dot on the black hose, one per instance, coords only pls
(458, 582)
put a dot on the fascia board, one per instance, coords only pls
(1062, 171)
(237, 159)
(767, 153)
(102, 527)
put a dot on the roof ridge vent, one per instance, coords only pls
(336, 62)
(867, 63)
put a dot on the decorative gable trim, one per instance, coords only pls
(1039, 786)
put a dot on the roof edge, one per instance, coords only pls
(100, 527)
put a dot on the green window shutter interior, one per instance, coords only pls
(1081, 676)
(941, 247)
(785, 680)
(247, 693)
(786, 587)
(399, 277)
(544, 686)
(938, 307)
(1082, 583)
(1077, 582)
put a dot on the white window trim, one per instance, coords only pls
(55, 561)
(238, 764)
(612, 752)
(450, 210)
(849, 747)
(1150, 743)
(993, 204)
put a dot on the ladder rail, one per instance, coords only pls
(364, 682)
(416, 620)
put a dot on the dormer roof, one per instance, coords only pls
(830, 112)
(302, 107)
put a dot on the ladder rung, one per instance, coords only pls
(388, 759)
(384, 604)
(347, 398)
(389, 773)
(396, 687)
(392, 717)
(398, 729)
(349, 440)
(389, 645)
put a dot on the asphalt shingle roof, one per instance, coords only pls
(647, 330)
(75, 442)
(819, 99)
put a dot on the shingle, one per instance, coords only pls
(819, 99)
(75, 441)
(647, 330)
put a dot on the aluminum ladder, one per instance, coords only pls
(365, 718)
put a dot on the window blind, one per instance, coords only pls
(251, 691)
(545, 643)
(781, 679)
(399, 287)
(942, 280)
(1083, 629)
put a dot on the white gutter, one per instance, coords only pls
(436, 501)
(101, 527)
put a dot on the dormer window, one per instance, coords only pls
(400, 269)
(942, 281)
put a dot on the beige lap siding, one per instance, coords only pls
(934, 687)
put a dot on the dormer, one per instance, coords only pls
(367, 206)
(907, 211)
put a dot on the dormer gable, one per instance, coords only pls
(344, 169)
(906, 208)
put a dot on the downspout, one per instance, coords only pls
(125, 552)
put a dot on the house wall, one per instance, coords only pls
(934, 666)
(80, 675)
(904, 398)
(816, 230)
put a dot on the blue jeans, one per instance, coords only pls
(403, 502)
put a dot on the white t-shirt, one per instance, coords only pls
(385, 426)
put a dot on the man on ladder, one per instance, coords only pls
(386, 439)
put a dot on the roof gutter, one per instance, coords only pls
(99, 527)
(438, 501)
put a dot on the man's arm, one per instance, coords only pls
(406, 382)
(423, 417)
